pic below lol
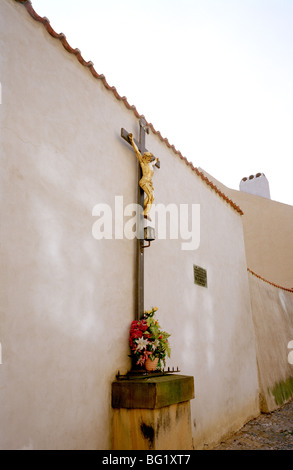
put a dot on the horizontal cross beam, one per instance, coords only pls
(125, 134)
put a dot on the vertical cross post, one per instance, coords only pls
(139, 301)
(140, 239)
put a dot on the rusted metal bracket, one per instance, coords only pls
(143, 374)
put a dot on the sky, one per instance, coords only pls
(215, 77)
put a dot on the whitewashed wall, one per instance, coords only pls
(212, 329)
(272, 309)
(66, 298)
(268, 227)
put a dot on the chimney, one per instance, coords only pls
(256, 184)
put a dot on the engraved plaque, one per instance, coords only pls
(200, 276)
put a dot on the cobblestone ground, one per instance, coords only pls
(273, 431)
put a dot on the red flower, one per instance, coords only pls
(143, 325)
(134, 325)
(134, 334)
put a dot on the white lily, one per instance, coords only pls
(155, 344)
(141, 344)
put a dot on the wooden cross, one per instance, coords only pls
(139, 303)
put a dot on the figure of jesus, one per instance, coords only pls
(147, 162)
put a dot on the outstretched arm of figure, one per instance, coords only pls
(137, 152)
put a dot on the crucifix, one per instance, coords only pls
(145, 164)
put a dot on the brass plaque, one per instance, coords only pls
(200, 276)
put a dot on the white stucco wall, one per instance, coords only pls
(212, 330)
(66, 298)
(268, 227)
(272, 309)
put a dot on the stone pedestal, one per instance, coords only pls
(152, 413)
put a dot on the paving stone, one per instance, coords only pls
(272, 431)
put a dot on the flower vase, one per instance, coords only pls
(151, 365)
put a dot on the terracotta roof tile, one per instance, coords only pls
(269, 282)
(62, 38)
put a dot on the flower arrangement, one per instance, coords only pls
(148, 340)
